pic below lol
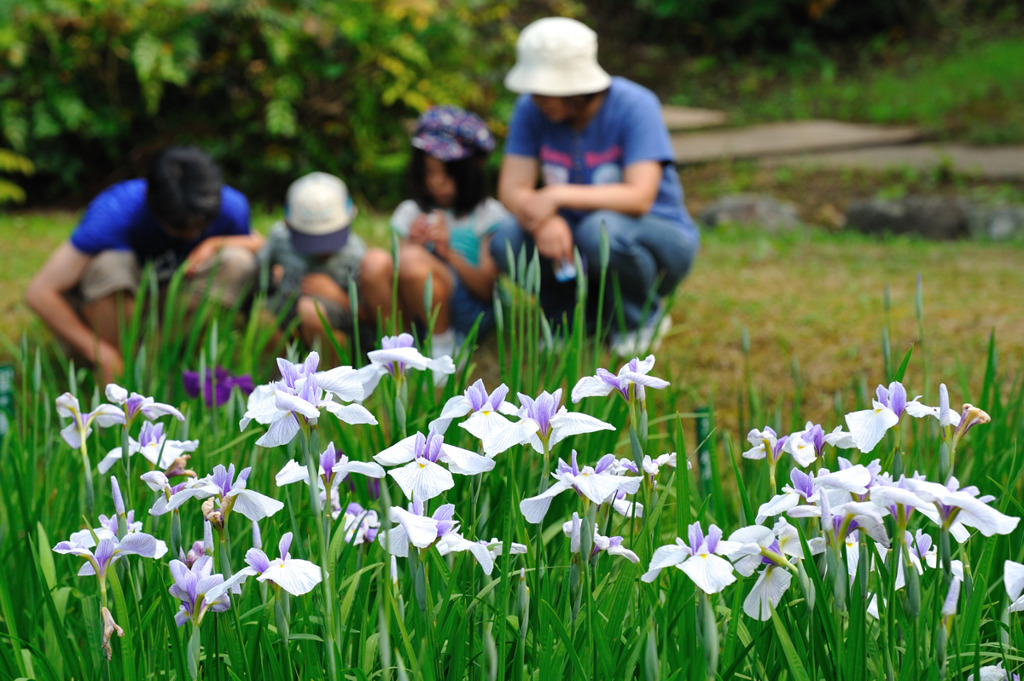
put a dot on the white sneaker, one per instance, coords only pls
(639, 342)
(442, 345)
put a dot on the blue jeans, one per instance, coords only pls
(648, 257)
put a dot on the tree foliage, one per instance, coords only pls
(90, 88)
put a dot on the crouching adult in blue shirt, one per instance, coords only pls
(180, 215)
(601, 147)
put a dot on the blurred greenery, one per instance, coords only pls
(90, 90)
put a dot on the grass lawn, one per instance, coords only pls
(812, 303)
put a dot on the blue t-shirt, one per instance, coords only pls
(626, 129)
(119, 219)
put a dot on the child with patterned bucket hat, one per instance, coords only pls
(446, 227)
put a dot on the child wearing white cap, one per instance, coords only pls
(601, 147)
(313, 256)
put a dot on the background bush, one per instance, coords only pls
(89, 90)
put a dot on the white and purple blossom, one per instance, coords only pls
(779, 550)
(395, 356)
(75, 433)
(993, 672)
(359, 525)
(1013, 580)
(543, 423)
(630, 382)
(485, 552)
(486, 411)
(108, 529)
(413, 527)
(229, 493)
(701, 558)
(423, 477)
(294, 575)
(192, 583)
(868, 426)
(598, 484)
(134, 404)
(109, 550)
(295, 401)
(333, 470)
(153, 445)
(613, 546)
(963, 507)
(945, 416)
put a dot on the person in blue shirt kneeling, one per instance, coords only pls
(180, 215)
(600, 146)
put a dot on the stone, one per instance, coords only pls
(933, 217)
(998, 223)
(769, 213)
(787, 137)
(688, 118)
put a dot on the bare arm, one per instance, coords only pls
(45, 295)
(208, 248)
(517, 182)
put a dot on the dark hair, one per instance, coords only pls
(183, 188)
(467, 173)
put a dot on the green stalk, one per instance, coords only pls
(89, 493)
(323, 527)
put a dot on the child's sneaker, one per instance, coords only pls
(646, 339)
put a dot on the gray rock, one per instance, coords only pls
(772, 215)
(997, 223)
(933, 217)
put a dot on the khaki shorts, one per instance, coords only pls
(226, 278)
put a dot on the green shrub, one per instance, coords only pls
(272, 89)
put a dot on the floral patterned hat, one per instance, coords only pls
(449, 133)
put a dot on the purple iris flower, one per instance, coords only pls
(135, 404)
(217, 386)
(191, 583)
(630, 382)
(894, 397)
(542, 410)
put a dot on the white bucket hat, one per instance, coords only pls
(318, 212)
(557, 57)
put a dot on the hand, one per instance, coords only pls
(554, 239)
(108, 363)
(438, 234)
(205, 251)
(418, 230)
(540, 206)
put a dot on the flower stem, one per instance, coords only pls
(87, 488)
(323, 526)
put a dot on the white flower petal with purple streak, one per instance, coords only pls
(767, 593)
(422, 479)
(709, 572)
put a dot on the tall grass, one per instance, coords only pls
(548, 613)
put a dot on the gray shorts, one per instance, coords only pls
(226, 278)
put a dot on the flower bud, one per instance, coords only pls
(524, 605)
(178, 467)
(213, 514)
(109, 628)
(115, 491)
